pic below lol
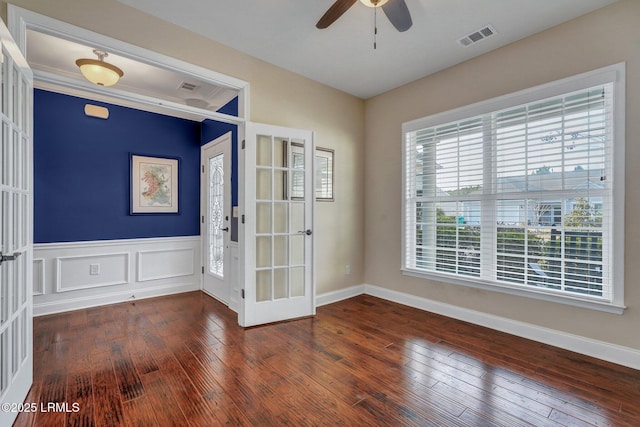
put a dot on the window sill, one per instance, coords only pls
(539, 294)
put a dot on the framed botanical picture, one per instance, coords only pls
(154, 184)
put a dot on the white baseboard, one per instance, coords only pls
(78, 303)
(621, 355)
(339, 295)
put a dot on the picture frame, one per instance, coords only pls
(324, 174)
(154, 184)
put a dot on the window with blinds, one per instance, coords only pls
(520, 196)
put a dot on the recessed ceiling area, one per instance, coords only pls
(284, 33)
(52, 55)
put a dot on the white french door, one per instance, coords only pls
(276, 231)
(16, 326)
(216, 225)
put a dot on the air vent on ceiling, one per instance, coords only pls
(476, 36)
(187, 86)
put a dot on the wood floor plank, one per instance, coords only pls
(567, 395)
(158, 397)
(195, 408)
(182, 360)
(141, 413)
(418, 405)
(108, 410)
(53, 391)
(126, 374)
(80, 399)
(204, 380)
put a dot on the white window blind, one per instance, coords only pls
(519, 197)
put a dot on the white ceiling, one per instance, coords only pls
(54, 55)
(283, 32)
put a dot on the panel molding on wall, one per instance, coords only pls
(38, 276)
(74, 275)
(74, 272)
(165, 264)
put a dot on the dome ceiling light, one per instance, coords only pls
(98, 71)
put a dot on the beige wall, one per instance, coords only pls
(604, 37)
(277, 97)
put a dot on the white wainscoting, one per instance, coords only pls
(74, 273)
(165, 263)
(38, 276)
(69, 276)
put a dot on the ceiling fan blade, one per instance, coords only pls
(398, 13)
(335, 11)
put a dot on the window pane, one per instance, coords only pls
(521, 196)
(451, 244)
(216, 215)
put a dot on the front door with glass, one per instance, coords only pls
(216, 205)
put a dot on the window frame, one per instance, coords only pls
(611, 74)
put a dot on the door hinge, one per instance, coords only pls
(242, 293)
(203, 219)
(243, 218)
(243, 141)
(203, 269)
(202, 168)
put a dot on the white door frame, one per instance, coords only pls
(19, 20)
(218, 286)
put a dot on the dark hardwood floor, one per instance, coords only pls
(183, 360)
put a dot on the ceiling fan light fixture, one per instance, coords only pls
(373, 3)
(98, 71)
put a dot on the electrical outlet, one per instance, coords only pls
(347, 269)
(94, 269)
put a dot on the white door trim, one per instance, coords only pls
(19, 20)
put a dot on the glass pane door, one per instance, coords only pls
(279, 199)
(280, 218)
(16, 330)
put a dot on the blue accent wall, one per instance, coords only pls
(230, 108)
(81, 171)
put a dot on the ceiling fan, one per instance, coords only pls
(396, 11)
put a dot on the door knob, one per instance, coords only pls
(224, 229)
(13, 257)
(307, 232)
